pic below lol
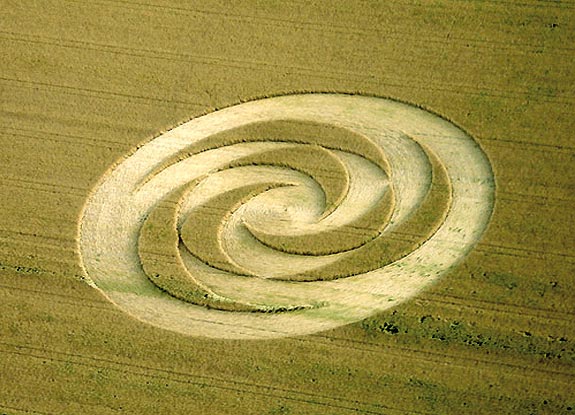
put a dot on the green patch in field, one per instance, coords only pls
(281, 409)
(408, 330)
(508, 281)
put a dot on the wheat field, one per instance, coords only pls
(287, 207)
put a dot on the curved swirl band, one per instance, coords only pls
(285, 216)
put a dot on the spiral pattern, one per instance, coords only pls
(285, 216)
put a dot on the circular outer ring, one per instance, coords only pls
(114, 212)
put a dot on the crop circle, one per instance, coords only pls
(285, 216)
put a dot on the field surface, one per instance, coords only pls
(83, 85)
